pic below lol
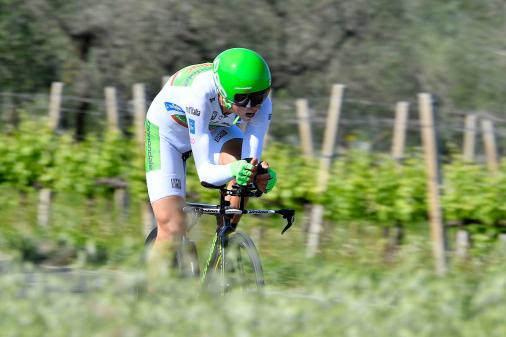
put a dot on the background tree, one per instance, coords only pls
(382, 50)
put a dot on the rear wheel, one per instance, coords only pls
(186, 260)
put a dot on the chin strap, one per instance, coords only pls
(227, 104)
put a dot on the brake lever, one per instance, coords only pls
(289, 216)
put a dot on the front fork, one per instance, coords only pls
(219, 242)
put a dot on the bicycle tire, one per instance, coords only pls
(151, 237)
(237, 273)
(241, 246)
(185, 259)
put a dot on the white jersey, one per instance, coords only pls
(187, 116)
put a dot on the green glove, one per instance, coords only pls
(272, 181)
(241, 170)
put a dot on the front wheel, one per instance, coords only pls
(241, 268)
(242, 264)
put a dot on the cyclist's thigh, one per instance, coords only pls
(165, 172)
(225, 144)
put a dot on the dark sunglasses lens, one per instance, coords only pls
(241, 99)
(257, 99)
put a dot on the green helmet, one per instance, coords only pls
(240, 71)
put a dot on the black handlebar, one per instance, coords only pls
(250, 190)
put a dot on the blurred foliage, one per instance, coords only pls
(382, 50)
(318, 299)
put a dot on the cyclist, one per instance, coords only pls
(198, 110)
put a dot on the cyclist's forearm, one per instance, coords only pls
(255, 132)
(214, 174)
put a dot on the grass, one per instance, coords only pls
(348, 290)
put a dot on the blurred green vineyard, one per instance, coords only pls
(362, 186)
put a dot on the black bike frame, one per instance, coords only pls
(225, 212)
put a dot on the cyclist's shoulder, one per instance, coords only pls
(192, 75)
(195, 82)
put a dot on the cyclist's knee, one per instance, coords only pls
(170, 217)
(171, 224)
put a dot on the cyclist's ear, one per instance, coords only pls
(254, 161)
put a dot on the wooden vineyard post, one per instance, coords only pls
(462, 244)
(55, 104)
(111, 108)
(304, 121)
(139, 103)
(9, 119)
(401, 124)
(45, 194)
(306, 145)
(44, 207)
(434, 180)
(487, 127)
(468, 151)
(329, 142)
(394, 235)
(463, 240)
(502, 243)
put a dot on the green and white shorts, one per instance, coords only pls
(165, 167)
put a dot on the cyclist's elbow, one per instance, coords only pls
(207, 177)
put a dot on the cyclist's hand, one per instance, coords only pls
(242, 171)
(273, 179)
(265, 179)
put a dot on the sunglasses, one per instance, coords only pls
(255, 98)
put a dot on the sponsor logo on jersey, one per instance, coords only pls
(173, 107)
(220, 135)
(212, 99)
(176, 183)
(270, 116)
(213, 116)
(152, 147)
(191, 123)
(192, 111)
